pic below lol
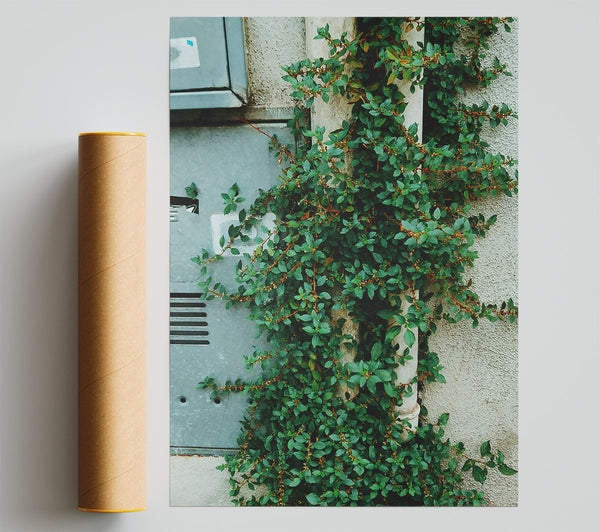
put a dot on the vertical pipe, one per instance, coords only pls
(330, 116)
(405, 372)
(409, 409)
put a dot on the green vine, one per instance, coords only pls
(374, 234)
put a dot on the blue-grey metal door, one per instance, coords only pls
(206, 340)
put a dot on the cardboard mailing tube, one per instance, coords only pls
(112, 322)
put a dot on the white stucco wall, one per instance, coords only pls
(480, 364)
(272, 42)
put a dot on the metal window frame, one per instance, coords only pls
(236, 95)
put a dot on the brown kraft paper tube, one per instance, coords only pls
(112, 322)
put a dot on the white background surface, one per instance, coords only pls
(68, 67)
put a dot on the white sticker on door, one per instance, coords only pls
(220, 224)
(184, 53)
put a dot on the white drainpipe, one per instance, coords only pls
(409, 409)
(331, 116)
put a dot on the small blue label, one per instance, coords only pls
(190, 43)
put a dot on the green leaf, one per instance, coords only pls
(505, 470)
(486, 449)
(192, 191)
(371, 385)
(479, 474)
(392, 332)
(409, 338)
(371, 290)
(313, 499)
(467, 465)
(376, 350)
(386, 314)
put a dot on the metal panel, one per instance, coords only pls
(208, 63)
(204, 38)
(214, 158)
(234, 32)
(192, 117)
(204, 100)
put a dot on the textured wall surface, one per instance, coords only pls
(196, 481)
(481, 365)
(270, 44)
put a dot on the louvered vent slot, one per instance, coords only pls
(188, 319)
